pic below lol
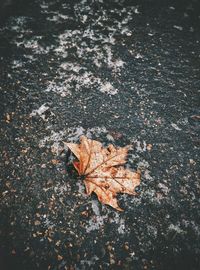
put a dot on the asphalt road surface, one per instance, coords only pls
(121, 72)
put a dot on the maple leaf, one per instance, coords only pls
(102, 170)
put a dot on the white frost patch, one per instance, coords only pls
(192, 225)
(75, 135)
(70, 135)
(114, 64)
(89, 44)
(81, 189)
(95, 223)
(60, 189)
(30, 57)
(122, 228)
(88, 263)
(80, 45)
(18, 23)
(63, 89)
(121, 224)
(57, 17)
(140, 146)
(138, 56)
(17, 64)
(96, 130)
(118, 64)
(98, 221)
(70, 67)
(143, 165)
(40, 111)
(69, 81)
(164, 188)
(21, 37)
(108, 88)
(54, 137)
(175, 228)
(95, 207)
(33, 44)
(147, 175)
(57, 137)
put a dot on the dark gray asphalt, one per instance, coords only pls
(121, 72)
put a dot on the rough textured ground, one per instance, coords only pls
(119, 72)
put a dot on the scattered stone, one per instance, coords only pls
(37, 222)
(149, 146)
(60, 258)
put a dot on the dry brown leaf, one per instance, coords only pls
(103, 171)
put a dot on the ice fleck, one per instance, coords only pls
(180, 28)
(175, 126)
(138, 56)
(164, 188)
(95, 207)
(136, 11)
(40, 111)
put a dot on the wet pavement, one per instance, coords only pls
(122, 72)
